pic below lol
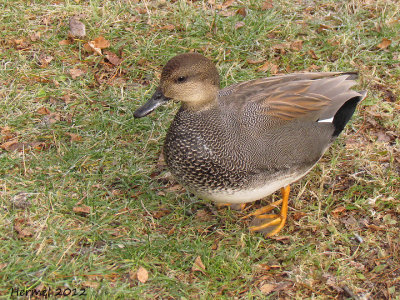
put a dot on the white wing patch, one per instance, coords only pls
(330, 120)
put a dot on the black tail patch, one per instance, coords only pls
(343, 115)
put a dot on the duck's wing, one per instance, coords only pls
(313, 96)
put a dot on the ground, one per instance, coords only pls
(86, 203)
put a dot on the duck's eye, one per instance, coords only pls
(181, 79)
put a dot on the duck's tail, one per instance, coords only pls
(345, 112)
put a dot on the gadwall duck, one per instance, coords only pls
(248, 140)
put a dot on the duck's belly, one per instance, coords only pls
(250, 194)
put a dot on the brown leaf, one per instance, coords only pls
(35, 36)
(9, 145)
(254, 61)
(75, 73)
(174, 188)
(337, 211)
(383, 137)
(241, 11)
(76, 27)
(161, 213)
(312, 54)
(268, 4)
(298, 215)
(82, 210)
(44, 60)
(227, 13)
(65, 42)
(112, 58)
(21, 200)
(43, 111)
(203, 215)
(101, 42)
(198, 265)
(74, 137)
(142, 275)
(169, 27)
(21, 226)
(323, 28)
(280, 48)
(296, 45)
(227, 3)
(91, 47)
(384, 44)
(239, 25)
(96, 45)
(267, 66)
(267, 288)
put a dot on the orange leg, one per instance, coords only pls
(272, 223)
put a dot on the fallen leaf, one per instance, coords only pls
(267, 288)
(383, 137)
(76, 27)
(268, 4)
(112, 58)
(337, 211)
(241, 11)
(254, 61)
(312, 54)
(21, 226)
(3, 265)
(35, 36)
(203, 215)
(198, 265)
(384, 44)
(227, 13)
(161, 213)
(168, 27)
(96, 45)
(239, 25)
(65, 42)
(174, 188)
(43, 111)
(101, 42)
(14, 145)
(75, 73)
(9, 145)
(280, 48)
(298, 215)
(51, 119)
(44, 60)
(74, 137)
(82, 210)
(91, 47)
(141, 10)
(21, 201)
(323, 28)
(227, 3)
(142, 275)
(66, 98)
(296, 45)
(332, 282)
(267, 66)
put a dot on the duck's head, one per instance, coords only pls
(190, 78)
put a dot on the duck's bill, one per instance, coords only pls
(155, 101)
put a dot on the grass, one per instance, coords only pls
(87, 204)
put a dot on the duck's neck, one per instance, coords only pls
(201, 101)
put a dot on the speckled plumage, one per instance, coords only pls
(242, 143)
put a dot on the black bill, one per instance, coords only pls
(155, 101)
